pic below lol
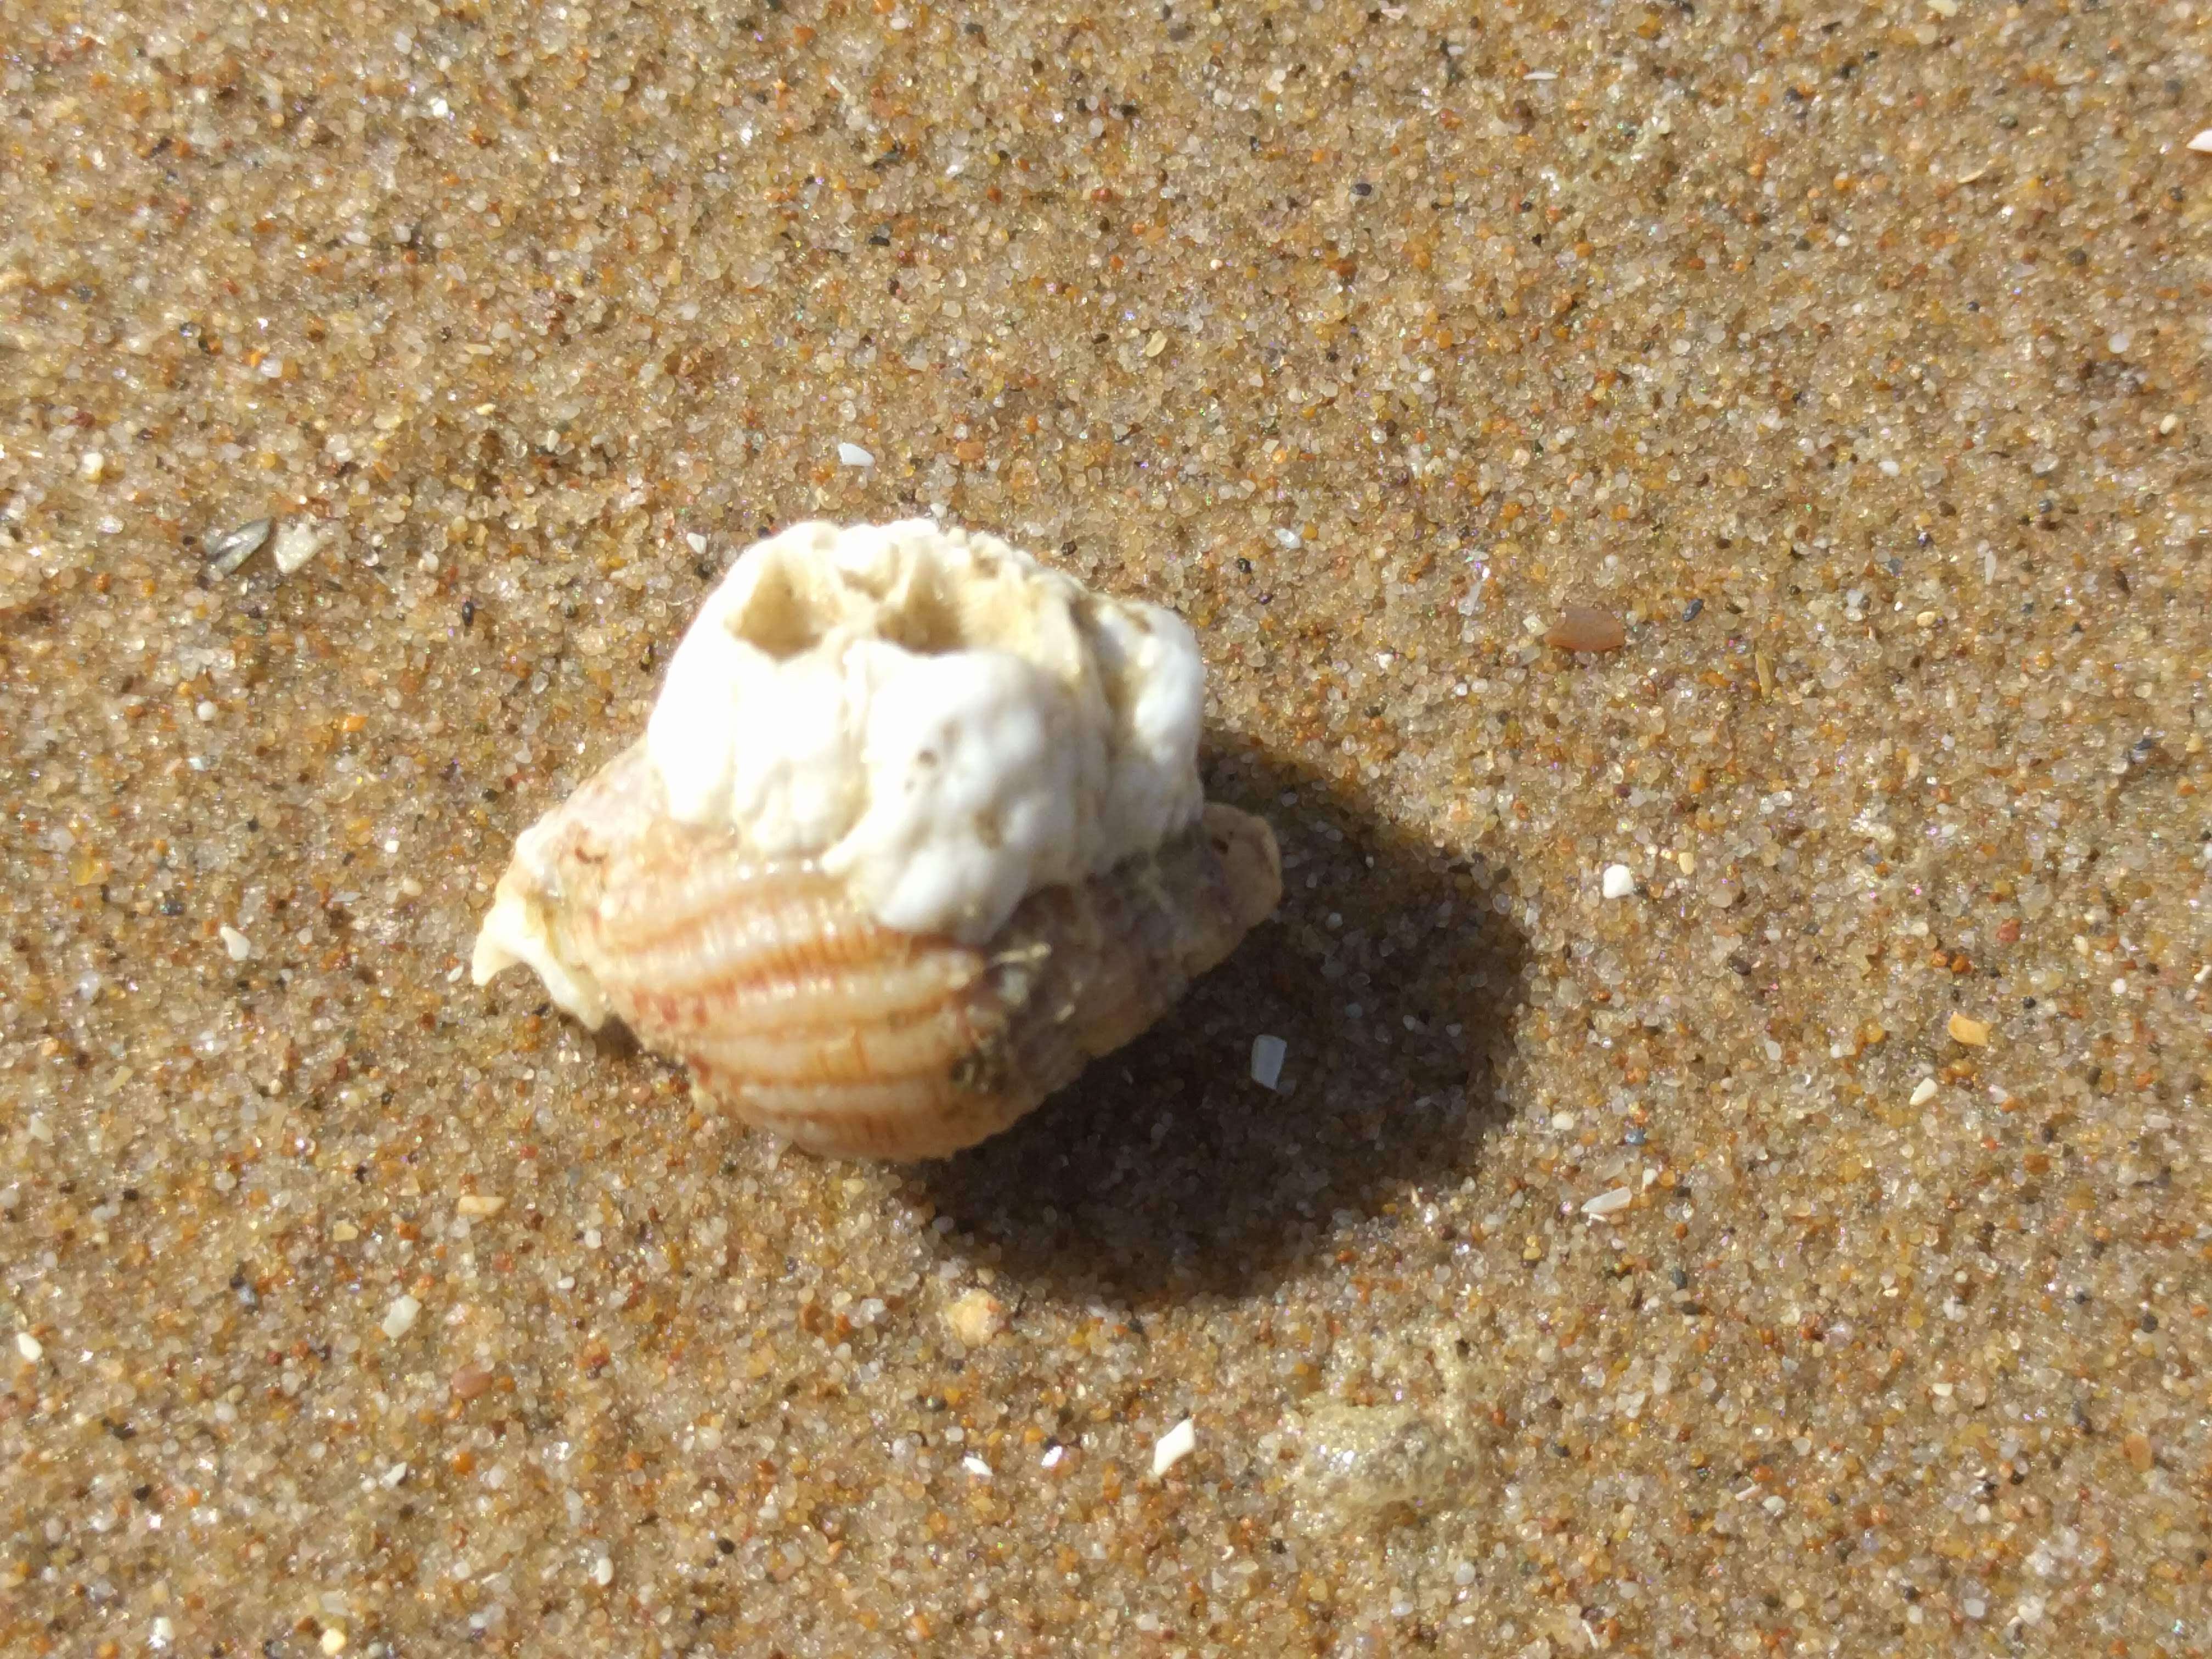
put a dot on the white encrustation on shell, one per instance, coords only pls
(914, 830)
(938, 718)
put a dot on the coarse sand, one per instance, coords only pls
(1736, 1181)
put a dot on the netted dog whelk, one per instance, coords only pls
(914, 832)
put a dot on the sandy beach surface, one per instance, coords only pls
(1738, 1182)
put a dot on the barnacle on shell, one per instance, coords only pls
(890, 930)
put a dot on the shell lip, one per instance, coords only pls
(518, 932)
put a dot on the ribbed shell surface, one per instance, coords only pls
(803, 1014)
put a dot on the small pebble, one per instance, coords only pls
(295, 544)
(1268, 1054)
(235, 942)
(1586, 628)
(227, 550)
(333, 1638)
(470, 1380)
(975, 1318)
(1177, 1443)
(603, 1572)
(480, 1204)
(399, 1317)
(90, 465)
(854, 455)
(1618, 881)
(1974, 1033)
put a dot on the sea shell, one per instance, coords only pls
(915, 832)
(801, 1013)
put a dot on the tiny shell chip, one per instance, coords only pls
(1268, 1054)
(1171, 1447)
(915, 833)
(296, 543)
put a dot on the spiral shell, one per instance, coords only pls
(801, 1012)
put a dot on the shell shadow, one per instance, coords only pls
(1166, 1171)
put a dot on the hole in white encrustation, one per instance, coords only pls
(929, 624)
(777, 618)
(933, 612)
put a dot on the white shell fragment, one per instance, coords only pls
(296, 543)
(1619, 881)
(854, 455)
(915, 831)
(1268, 1054)
(1608, 1203)
(400, 1318)
(1177, 1443)
(2201, 143)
